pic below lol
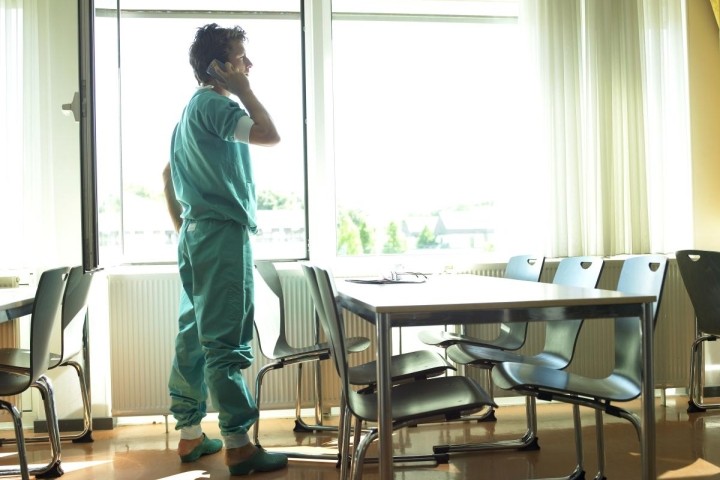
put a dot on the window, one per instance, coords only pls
(429, 149)
(432, 129)
(155, 82)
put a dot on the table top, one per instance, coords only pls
(448, 294)
(16, 302)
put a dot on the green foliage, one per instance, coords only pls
(426, 239)
(270, 200)
(395, 243)
(348, 237)
(366, 234)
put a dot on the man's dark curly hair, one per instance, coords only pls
(212, 41)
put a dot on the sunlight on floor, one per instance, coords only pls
(77, 466)
(194, 475)
(698, 469)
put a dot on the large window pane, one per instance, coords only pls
(431, 154)
(156, 85)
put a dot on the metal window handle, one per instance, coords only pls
(73, 107)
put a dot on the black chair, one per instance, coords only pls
(640, 275)
(413, 402)
(21, 369)
(700, 271)
(271, 334)
(559, 349)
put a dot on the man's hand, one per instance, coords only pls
(174, 207)
(235, 81)
(230, 78)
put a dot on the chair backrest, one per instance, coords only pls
(525, 267)
(700, 271)
(640, 275)
(73, 312)
(46, 308)
(269, 315)
(520, 267)
(320, 283)
(561, 337)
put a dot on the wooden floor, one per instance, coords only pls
(688, 446)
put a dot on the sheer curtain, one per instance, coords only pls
(612, 79)
(26, 192)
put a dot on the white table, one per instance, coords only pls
(468, 299)
(16, 302)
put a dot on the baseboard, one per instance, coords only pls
(75, 425)
(711, 392)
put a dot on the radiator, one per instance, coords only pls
(143, 311)
(143, 324)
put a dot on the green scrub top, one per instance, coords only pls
(211, 171)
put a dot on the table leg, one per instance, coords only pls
(647, 440)
(384, 352)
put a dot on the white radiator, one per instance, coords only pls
(143, 325)
(143, 311)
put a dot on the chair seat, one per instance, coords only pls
(426, 399)
(519, 376)
(446, 339)
(19, 359)
(405, 366)
(322, 350)
(14, 358)
(13, 382)
(488, 357)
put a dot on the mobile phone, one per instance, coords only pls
(211, 71)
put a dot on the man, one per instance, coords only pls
(209, 184)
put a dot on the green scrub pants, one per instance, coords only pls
(215, 328)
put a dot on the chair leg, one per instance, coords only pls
(346, 465)
(528, 441)
(697, 371)
(53, 469)
(85, 435)
(300, 424)
(579, 471)
(20, 438)
(600, 441)
(258, 389)
(360, 448)
(318, 394)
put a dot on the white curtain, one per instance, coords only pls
(26, 191)
(612, 81)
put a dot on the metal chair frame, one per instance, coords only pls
(270, 327)
(700, 271)
(560, 341)
(643, 274)
(413, 402)
(511, 337)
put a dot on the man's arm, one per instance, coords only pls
(263, 131)
(173, 205)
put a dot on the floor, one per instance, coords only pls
(688, 447)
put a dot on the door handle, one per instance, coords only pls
(73, 107)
